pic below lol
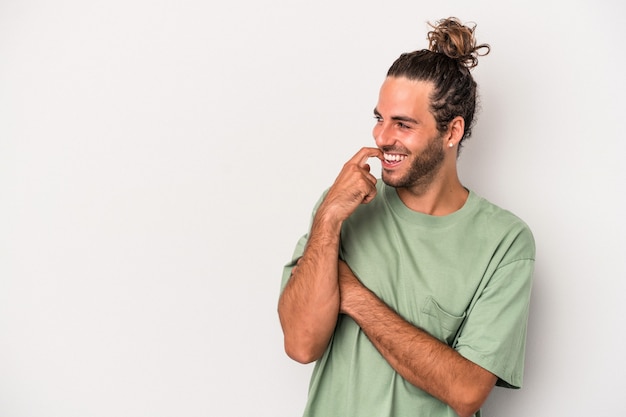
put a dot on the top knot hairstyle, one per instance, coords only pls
(452, 52)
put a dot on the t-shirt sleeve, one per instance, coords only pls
(494, 335)
(300, 246)
(297, 253)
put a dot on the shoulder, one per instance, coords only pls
(503, 224)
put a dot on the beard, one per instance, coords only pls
(423, 167)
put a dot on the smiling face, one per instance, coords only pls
(406, 132)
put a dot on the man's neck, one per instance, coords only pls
(436, 198)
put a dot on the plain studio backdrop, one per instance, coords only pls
(160, 159)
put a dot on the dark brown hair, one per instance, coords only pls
(452, 52)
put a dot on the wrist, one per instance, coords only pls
(357, 302)
(327, 221)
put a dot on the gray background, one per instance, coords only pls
(159, 160)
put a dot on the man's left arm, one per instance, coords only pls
(418, 357)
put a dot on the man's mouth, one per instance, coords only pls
(393, 158)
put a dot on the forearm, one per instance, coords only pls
(418, 357)
(309, 305)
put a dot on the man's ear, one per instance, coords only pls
(457, 129)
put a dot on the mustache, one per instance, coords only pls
(394, 149)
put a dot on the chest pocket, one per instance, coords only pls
(439, 323)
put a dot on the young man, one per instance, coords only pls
(411, 292)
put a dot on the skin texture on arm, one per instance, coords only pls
(418, 357)
(309, 305)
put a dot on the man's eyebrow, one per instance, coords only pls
(397, 118)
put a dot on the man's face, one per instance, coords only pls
(406, 132)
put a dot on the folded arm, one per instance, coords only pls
(418, 357)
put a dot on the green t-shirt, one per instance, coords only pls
(465, 278)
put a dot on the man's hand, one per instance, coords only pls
(354, 185)
(418, 357)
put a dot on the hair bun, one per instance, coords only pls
(455, 40)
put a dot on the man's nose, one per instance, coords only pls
(383, 136)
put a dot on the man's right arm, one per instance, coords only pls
(309, 305)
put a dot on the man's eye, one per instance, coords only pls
(378, 119)
(402, 125)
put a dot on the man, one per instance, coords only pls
(411, 292)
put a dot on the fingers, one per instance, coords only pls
(361, 157)
(369, 197)
(353, 186)
(295, 267)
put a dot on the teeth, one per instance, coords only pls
(394, 157)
